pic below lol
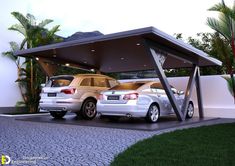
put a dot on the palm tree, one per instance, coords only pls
(34, 35)
(225, 26)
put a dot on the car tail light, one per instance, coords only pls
(68, 91)
(101, 97)
(131, 96)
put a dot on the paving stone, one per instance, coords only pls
(61, 144)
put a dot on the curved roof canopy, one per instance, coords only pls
(123, 51)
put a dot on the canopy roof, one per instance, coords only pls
(123, 51)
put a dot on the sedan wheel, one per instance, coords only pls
(58, 114)
(153, 114)
(89, 109)
(190, 110)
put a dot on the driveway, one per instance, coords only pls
(40, 143)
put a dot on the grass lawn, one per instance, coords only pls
(205, 146)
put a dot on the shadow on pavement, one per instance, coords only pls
(123, 123)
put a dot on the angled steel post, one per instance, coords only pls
(189, 90)
(48, 69)
(165, 84)
(199, 94)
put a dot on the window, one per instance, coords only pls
(86, 82)
(127, 86)
(112, 83)
(59, 81)
(158, 88)
(100, 82)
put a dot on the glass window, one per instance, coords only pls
(158, 88)
(100, 82)
(86, 82)
(113, 83)
(127, 86)
(59, 81)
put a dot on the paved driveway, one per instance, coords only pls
(63, 144)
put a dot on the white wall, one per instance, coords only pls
(9, 92)
(217, 100)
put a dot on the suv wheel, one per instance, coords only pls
(89, 109)
(153, 114)
(58, 114)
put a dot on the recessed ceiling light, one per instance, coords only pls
(93, 70)
(122, 58)
(54, 55)
(85, 62)
(138, 44)
(37, 58)
(145, 65)
(67, 64)
(92, 50)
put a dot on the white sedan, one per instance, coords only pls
(139, 99)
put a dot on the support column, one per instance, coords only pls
(163, 79)
(48, 69)
(199, 94)
(189, 90)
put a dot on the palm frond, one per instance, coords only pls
(218, 26)
(21, 18)
(45, 22)
(10, 54)
(53, 30)
(217, 7)
(20, 104)
(23, 43)
(31, 19)
(18, 28)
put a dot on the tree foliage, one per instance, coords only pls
(225, 26)
(35, 34)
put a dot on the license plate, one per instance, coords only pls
(51, 94)
(113, 97)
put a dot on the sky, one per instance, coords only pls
(110, 16)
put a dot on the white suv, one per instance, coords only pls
(77, 94)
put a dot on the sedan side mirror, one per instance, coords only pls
(180, 92)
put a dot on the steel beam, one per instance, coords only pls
(189, 90)
(199, 94)
(173, 52)
(163, 79)
(48, 69)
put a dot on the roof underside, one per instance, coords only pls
(124, 51)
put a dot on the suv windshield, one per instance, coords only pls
(59, 81)
(127, 86)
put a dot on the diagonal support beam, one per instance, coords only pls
(199, 94)
(189, 89)
(48, 69)
(163, 79)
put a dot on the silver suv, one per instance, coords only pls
(76, 94)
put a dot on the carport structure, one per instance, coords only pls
(140, 49)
